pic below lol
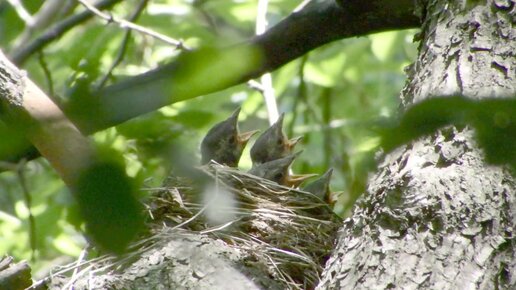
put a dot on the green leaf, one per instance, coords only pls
(495, 124)
(106, 197)
(424, 118)
(494, 121)
(200, 71)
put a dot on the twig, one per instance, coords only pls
(129, 25)
(81, 258)
(123, 47)
(47, 12)
(28, 202)
(301, 96)
(46, 72)
(326, 118)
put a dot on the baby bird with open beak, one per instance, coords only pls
(321, 188)
(224, 143)
(272, 144)
(277, 171)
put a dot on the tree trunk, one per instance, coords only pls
(435, 215)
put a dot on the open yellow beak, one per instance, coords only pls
(243, 138)
(292, 142)
(294, 180)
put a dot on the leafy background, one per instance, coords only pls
(333, 97)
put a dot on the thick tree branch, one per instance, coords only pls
(27, 108)
(103, 190)
(323, 21)
(316, 24)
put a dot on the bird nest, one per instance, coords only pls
(291, 231)
(286, 233)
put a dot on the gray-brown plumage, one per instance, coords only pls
(224, 143)
(272, 144)
(321, 186)
(277, 171)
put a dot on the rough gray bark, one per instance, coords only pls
(435, 215)
(14, 276)
(180, 260)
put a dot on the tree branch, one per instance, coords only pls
(31, 112)
(19, 56)
(14, 276)
(317, 23)
(104, 192)
(323, 21)
(132, 26)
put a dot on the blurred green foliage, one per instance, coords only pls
(332, 96)
(494, 121)
(106, 198)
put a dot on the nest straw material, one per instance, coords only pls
(291, 231)
(284, 232)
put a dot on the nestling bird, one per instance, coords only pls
(321, 186)
(223, 143)
(333, 197)
(272, 144)
(277, 171)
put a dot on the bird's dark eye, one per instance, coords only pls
(232, 140)
(280, 142)
(278, 176)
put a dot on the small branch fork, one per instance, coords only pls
(129, 25)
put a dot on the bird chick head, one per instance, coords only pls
(272, 144)
(275, 170)
(224, 143)
(321, 186)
